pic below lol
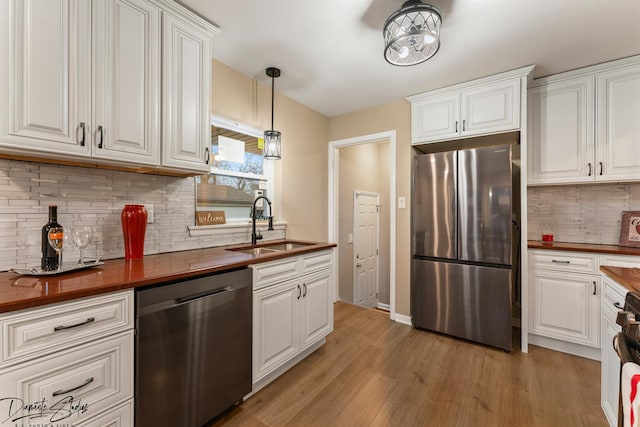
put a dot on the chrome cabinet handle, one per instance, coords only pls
(206, 156)
(84, 384)
(101, 133)
(83, 128)
(64, 328)
(299, 292)
(600, 168)
(560, 262)
(589, 164)
(304, 285)
(618, 306)
(594, 287)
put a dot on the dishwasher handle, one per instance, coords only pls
(189, 298)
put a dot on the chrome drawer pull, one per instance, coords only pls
(63, 328)
(560, 262)
(618, 306)
(86, 383)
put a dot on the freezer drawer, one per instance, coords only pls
(466, 301)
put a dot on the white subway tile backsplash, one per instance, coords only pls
(95, 197)
(580, 213)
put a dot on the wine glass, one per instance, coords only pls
(59, 241)
(81, 237)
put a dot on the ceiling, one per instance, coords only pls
(330, 51)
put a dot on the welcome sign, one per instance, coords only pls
(210, 217)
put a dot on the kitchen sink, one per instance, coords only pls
(255, 251)
(287, 246)
(269, 248)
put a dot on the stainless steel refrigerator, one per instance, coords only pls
(461, 281)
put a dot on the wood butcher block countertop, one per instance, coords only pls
(627, 277)
(19, 292)
(583, 247)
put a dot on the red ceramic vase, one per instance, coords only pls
(134, 225)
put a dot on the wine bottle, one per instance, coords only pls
(49, 257)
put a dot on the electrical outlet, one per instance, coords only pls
(149, 209)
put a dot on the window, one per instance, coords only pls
(238, 175)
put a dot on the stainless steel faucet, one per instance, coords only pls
(255, 236)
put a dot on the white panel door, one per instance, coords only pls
(565, 306)
(491, 108)
(126, 83)
(317, 307)
(435, 118)
(49, 74)
(365, 246)
(186, 65)
(618, 125)
(561, 132)
(275, 327)
(610, 367)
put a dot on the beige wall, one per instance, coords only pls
(393, 116)
(364, 168)
(301, 176)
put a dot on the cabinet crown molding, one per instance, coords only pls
(517, 73)
(588, 71)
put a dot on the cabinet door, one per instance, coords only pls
(491, 108)
(186, 67)
(97, 375)
(565, 306)
(618, 125)
(435, 118)
(47, 74)
(610, 367)
(561, 132)
(126, 81)
(275, 327)
(317, 308)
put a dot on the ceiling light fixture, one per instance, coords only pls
(272, 138)
(412, 34)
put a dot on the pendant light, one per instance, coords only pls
(412, 34)
(272, 138)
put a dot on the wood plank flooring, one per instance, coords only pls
(375, 372)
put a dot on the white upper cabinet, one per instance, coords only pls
(562, 131)
(618, 124)
(584, 125)
(84, 82)
(435, 118)
(186, 132)
(45, 76)
(479, 107)
(126, 81)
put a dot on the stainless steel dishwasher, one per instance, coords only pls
(193, 349)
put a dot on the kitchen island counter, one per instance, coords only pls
(627, 277)
(19, 292)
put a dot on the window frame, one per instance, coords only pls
(267, 169)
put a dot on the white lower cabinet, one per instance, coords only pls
(293, 314)
(564, 295)
(84, 377)
(612, 301)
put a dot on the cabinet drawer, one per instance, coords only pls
(80, 382)
(563, 261)
(613, 294)
(274, 271)
(121, 416)
(35, 332)
(627, 261)
(317, 261)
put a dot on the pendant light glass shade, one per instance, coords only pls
(272, 138)
(412, 34)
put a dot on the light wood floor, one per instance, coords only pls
(375, 372)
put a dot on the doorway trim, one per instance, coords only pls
(334, 174)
